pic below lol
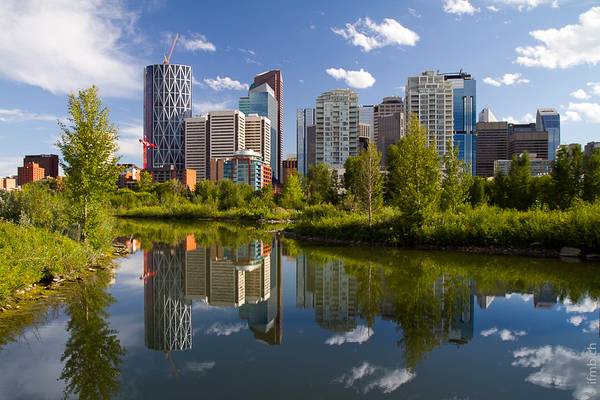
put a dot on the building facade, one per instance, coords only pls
(258, 136)
(526, 138)
(429, 96)
(29, 172)
(8, 184)
(47, 161)
(336, 127)
(464, 97)
(389, 124)
(197, 145)
(290, 166)
(247, 166)
(129, 177)
(538, 166)
(590, 148)
(227, 132)
(167, 101)
(366, 116)
(492, 145)
(548, 120)
(305, 117)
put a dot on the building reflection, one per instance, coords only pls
(246, 277)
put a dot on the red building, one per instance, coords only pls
(47, 161)
(290, 166)
(30, 172)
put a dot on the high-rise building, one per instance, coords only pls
(47, 161)
(29, 172)
(464, 93)
(537, 166)
(389, 124)
(590, 148)
(248, 167)
(548, 120)
(274, 79)
(311, 146)
(258, 136)
(197, 145)
(305, 117)
(227, 133)
(429, 97)
(527, 138)
(167, 101)
(492, 145)
(337, 127)
(366, 116)
(289, 167)
(486, 115)
(364, 136)
(262, 100)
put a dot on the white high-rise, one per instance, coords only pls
(336, 127)
(258, 135)
(429, 97)
(196, 146)
(227, 133)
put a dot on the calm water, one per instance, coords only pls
(225, 312)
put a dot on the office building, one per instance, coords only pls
(129, 176)
(227, 133)
(538, 166)
(364, 136)
(548, 120)
(366, 116)
(289, 167)
(336, 127)
(492, 145)
(8, 184)
(305, 117)
(258, 136)
(29, 172)
(389, 124)
(526, 138)
(429, 96)
(590, 148)
(197, 145)
(464, 95)
(167, 101)
(185, 176)
(247, 166)
(311, 146)
(274, 80)
(486, 115)
(47, 161)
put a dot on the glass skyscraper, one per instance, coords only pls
(548, 120)
(305, 117)
(261, 100)
(464, 95)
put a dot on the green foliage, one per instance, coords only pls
(88, 147)
(145, 184)
(591, 180)
(456, 181)
(477, 191)
(413, 174)
(567, 176)
(292, 195)
(363, 180)
(321, 185)
(520, 193)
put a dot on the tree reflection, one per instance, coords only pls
(93, 352)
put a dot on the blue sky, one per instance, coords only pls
(524, 54)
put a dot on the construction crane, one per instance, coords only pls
(167, 57)
(147, 145)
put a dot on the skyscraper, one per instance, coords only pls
(227, 133)
(429, 97)
(547, 119)
(389, 124)
(167, 101)
(492, 145)
(305, 117)
(197, 143)
(262, 100)
(274, 79)
(486, 115)
(366, 116)
(337, 127)
(258, 136)
(464, 93)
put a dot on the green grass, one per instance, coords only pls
(29, 255)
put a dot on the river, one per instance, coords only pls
(223, 311)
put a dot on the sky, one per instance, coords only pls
(525, 54)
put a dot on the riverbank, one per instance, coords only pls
(32, 259)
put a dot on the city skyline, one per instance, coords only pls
(335, 45)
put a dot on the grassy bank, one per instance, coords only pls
(480, 227)
(30, 255)
(187, 211)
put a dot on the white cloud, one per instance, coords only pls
(225, 83)
(576, 320)
(580, 94)
(248, 51)
(459, 7)
(586, 305)
(506, 80)
(595, 87)
(589, 112)
(369, 35)
(386, 380)
(204, 107)
(592, 326)
(566, 47)
(493, 8)
(505, 335)
(62, 46)
(220, 329)
(359, 335)
(356, 79)
(489, 332)
(129, 136)
(414, 13)
(525, 119)
(197, 42)
(560, 368)
(571, 116)
(200, 367)
(8, 165)
(17, 115)
(528, 4)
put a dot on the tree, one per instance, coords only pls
(456, 182)
(88, 145)
(591, 177)
(145, 184)
(291, 193)
(477, 191)
(414, 173)
(321, 185)
(364, 181)
(567, 176)
(519, 183)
